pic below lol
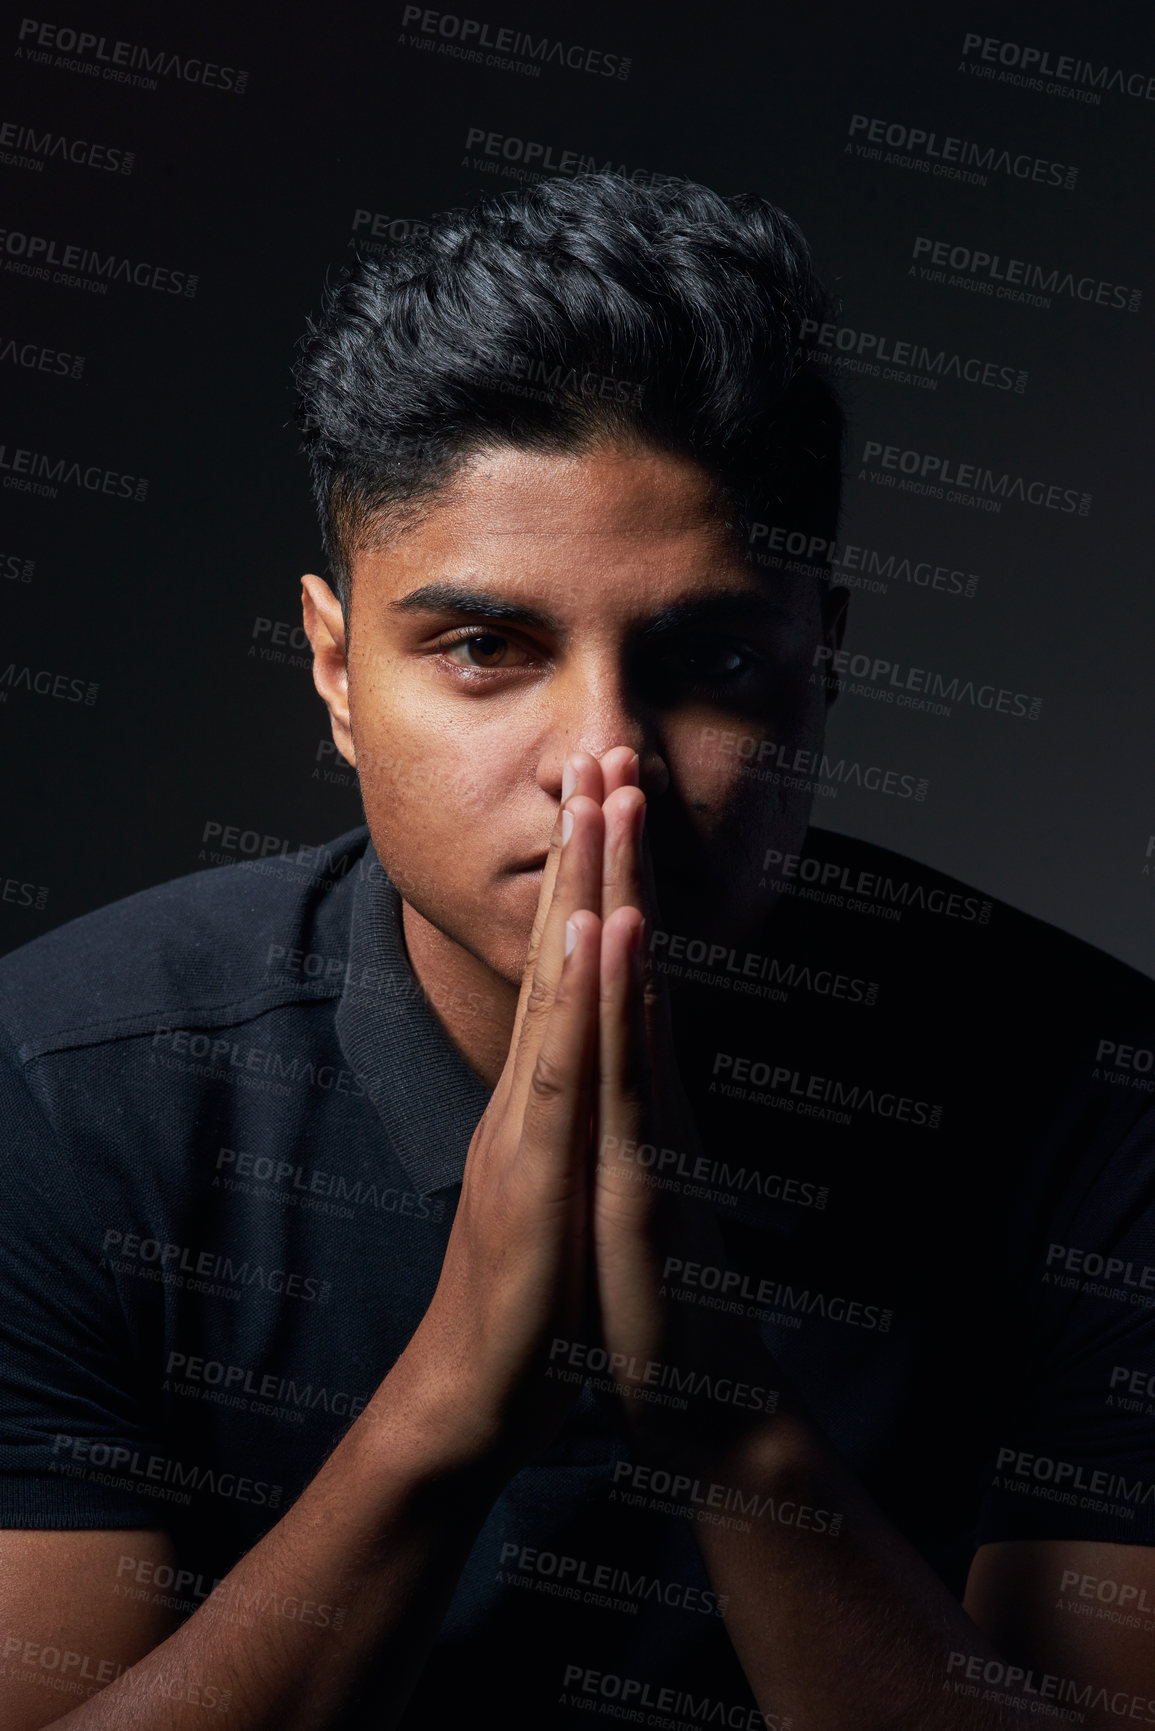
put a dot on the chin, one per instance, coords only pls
(500, 937)
(505, 957)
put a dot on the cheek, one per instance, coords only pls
(738, 785)
(434, 788)
(713, 765)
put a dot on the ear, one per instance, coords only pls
(325, 629)
(834, 606)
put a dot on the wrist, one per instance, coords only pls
(435, 1425)
(438, 1424)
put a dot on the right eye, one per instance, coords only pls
(486, 649)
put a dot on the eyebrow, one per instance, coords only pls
(477, 604)
(726, 607)
(482, 604)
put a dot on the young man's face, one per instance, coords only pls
(555, 603)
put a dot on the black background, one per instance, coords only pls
(158, 602)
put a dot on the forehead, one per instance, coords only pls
(599, 496)
(567, 525)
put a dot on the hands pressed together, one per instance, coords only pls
(556, 1255)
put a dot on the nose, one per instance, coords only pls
(591, 709)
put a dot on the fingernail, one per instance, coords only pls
(566, 826)
(571, 936)
(568, 780)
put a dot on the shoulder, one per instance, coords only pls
(928, 917)
(974, 991)
(206, 945)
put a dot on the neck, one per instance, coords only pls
(475, 1006)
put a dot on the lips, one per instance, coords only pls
(536, 864)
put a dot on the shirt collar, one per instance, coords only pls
(426, 1096)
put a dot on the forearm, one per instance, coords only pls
(836, 1619)
(381, 1533)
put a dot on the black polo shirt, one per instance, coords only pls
(234, 1133)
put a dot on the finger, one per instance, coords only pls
(628, 882)
(619, 768)
(581, 773)
(559, 1096)
(654, 985)
(625, 812)
(624, 1080)
(578, 886)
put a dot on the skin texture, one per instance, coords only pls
(510, 813)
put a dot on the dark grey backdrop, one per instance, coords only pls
(180, 608)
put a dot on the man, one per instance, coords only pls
(545, 1253)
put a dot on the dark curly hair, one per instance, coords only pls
(579, 310)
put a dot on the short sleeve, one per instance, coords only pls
(70, 1417)
(1074, 1455)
